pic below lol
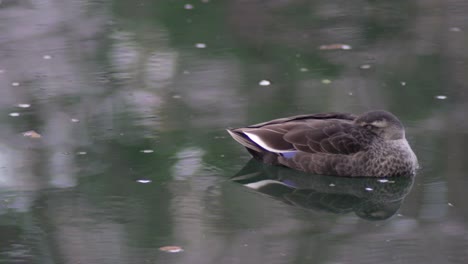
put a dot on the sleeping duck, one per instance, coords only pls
(372, 144)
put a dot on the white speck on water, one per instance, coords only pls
(200, 45)
(455, 29)
(350, 93)
(222, 155)
(400, 215)
(147, 151)
(369, 189)
(304, 69)
(47, 57)
(346, 47)
(365, 66)
(14, 114)
(440, 97)
(332, 185)
(186, 72)
(81, 153)
(264, 83)
(188, 6)
(205, 1)
(15, 84)
(326, 81)
(403, 83)
(144, 181)
(176, 96)
(23, 105)
(74, 120)
(382, 180)
(450, 204)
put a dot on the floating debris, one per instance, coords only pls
(144, 181)
(74, 120)
(455, 29)
(32, 134)
(171, 249)
(15, 84)
(331, 185)
(14, 114)
(176, 96)
(303, 69)
(450, 204)
(369, 189)
(47, 57)
(382, 180)
(200, 45)
(147, 151)
(335, 47)
(326, 81)
(350, 93)
(81, 153)
(403, 83)
(188, 6)
(440, 97)
(264, 83)
(23, 105)
(365, 66)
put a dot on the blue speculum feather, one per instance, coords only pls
(289, 155)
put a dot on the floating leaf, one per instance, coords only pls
(171, 249)
(335, 47)
(32, 134)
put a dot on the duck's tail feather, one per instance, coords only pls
(255, 150)
(244, 140)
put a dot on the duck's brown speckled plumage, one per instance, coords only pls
(372, 144)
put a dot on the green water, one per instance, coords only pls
(131, 100)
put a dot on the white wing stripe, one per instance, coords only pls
(264, 145)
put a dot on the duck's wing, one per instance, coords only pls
(326, 132)
(333, 137)
(319, 116)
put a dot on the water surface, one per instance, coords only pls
(131, 99)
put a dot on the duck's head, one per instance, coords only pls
(382, 123)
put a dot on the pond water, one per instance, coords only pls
(113, 139)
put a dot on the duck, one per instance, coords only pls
(372, 144)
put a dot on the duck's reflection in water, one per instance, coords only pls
(369, 198)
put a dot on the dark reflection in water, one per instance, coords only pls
(369, 198)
